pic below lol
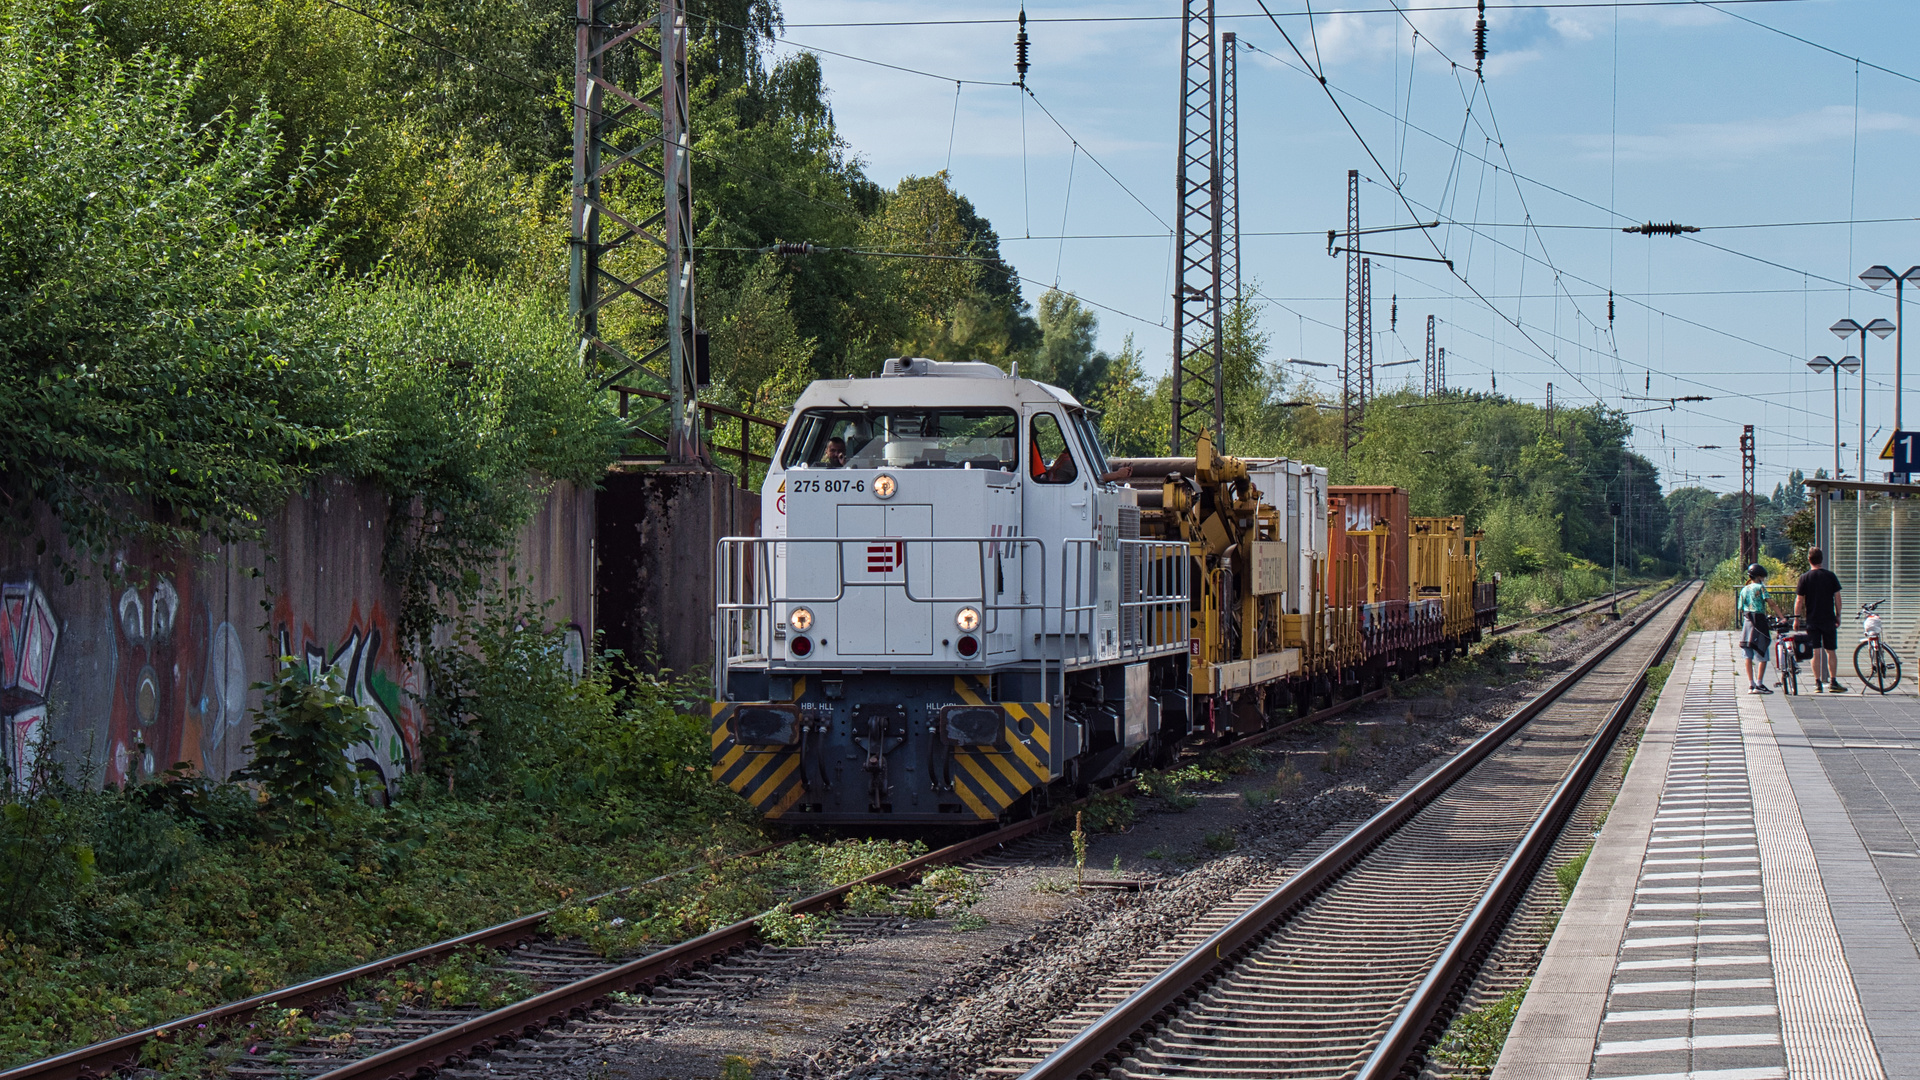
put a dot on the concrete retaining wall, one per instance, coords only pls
(657, 530)
(126, 680)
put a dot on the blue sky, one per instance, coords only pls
(1590, 118)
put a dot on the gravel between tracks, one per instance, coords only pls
(926, 1000)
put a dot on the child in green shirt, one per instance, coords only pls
(1756, 634)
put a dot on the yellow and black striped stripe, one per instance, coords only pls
(989, 780)
(769, 777)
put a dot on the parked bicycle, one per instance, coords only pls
(1790, 646)
(1874, 660)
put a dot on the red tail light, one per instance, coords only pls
(967, 645)
(801, 646)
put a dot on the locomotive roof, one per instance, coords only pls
(917, 381)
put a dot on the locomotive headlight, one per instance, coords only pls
(884, 486)
(968, 620)
(801, 618)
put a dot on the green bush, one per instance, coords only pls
(509, 719)
(300, 738)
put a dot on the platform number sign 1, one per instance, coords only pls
(1906, 451)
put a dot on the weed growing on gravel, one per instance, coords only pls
(783, 928)
(1214, 766)
(1255, 798)
(1109, 812)
(969, 922)
(465, 978)
(949, 888)
(1474, 1039)
(1053, 885)
(1079, 850)
(735, 1067)
(1337, 759)
(1170, 786)
(1288, 780)
(869, 900)
(1220, 841)
(1656, 681)
(1569, 874)
(1156, 853)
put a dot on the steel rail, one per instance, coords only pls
(111, 1055)
(523, 1018)
(1582, 608)
(1187, 976)
(1423, 1020)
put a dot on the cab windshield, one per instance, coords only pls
(904, 438)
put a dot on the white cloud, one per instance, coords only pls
(1743, 140)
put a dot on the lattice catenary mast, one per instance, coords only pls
(1366, 346)
(1351, 400)
(1430, 374)
(1749, 531)
(613, 251)
(1229, 168)
(1198, 401)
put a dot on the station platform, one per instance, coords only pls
(1749, 910)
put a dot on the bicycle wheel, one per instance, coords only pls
(1789, 679)
(1877, 666)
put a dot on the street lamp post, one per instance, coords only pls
(1821, 365)
(1875, 277)
(1845, 329)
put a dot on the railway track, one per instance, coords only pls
(570, 980)
(579, 996)
(1351, 965)
(1567, 613)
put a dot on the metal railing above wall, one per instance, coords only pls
(712, 417)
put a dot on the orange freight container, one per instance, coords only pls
(1381, 508)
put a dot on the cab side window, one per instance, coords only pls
(1048, 458)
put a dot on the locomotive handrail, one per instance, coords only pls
(746, 603)
(755, 617)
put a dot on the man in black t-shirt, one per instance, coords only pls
(1818, 603)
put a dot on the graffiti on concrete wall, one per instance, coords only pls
(371, 671)
(28, 637)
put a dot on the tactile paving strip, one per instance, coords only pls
(1824, 1027)
(1693, 990)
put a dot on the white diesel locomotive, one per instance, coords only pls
(949, 611)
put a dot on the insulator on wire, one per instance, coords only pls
(1020, 49)
(1609, 307)
(795, 248)
(1480, 40)
(1393, 313)
(1655, 228)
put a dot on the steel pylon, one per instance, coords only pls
(1230, 168)
(620, 134)
(1430, 374)
(1351, 392)
(1199, 404)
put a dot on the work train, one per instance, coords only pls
(960, 609)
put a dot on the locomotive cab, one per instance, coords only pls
(945, 615)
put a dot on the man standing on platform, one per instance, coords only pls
(1817, 603)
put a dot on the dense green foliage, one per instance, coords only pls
(182, 352)
(130, 907)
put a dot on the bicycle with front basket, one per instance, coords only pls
(1874, 660)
